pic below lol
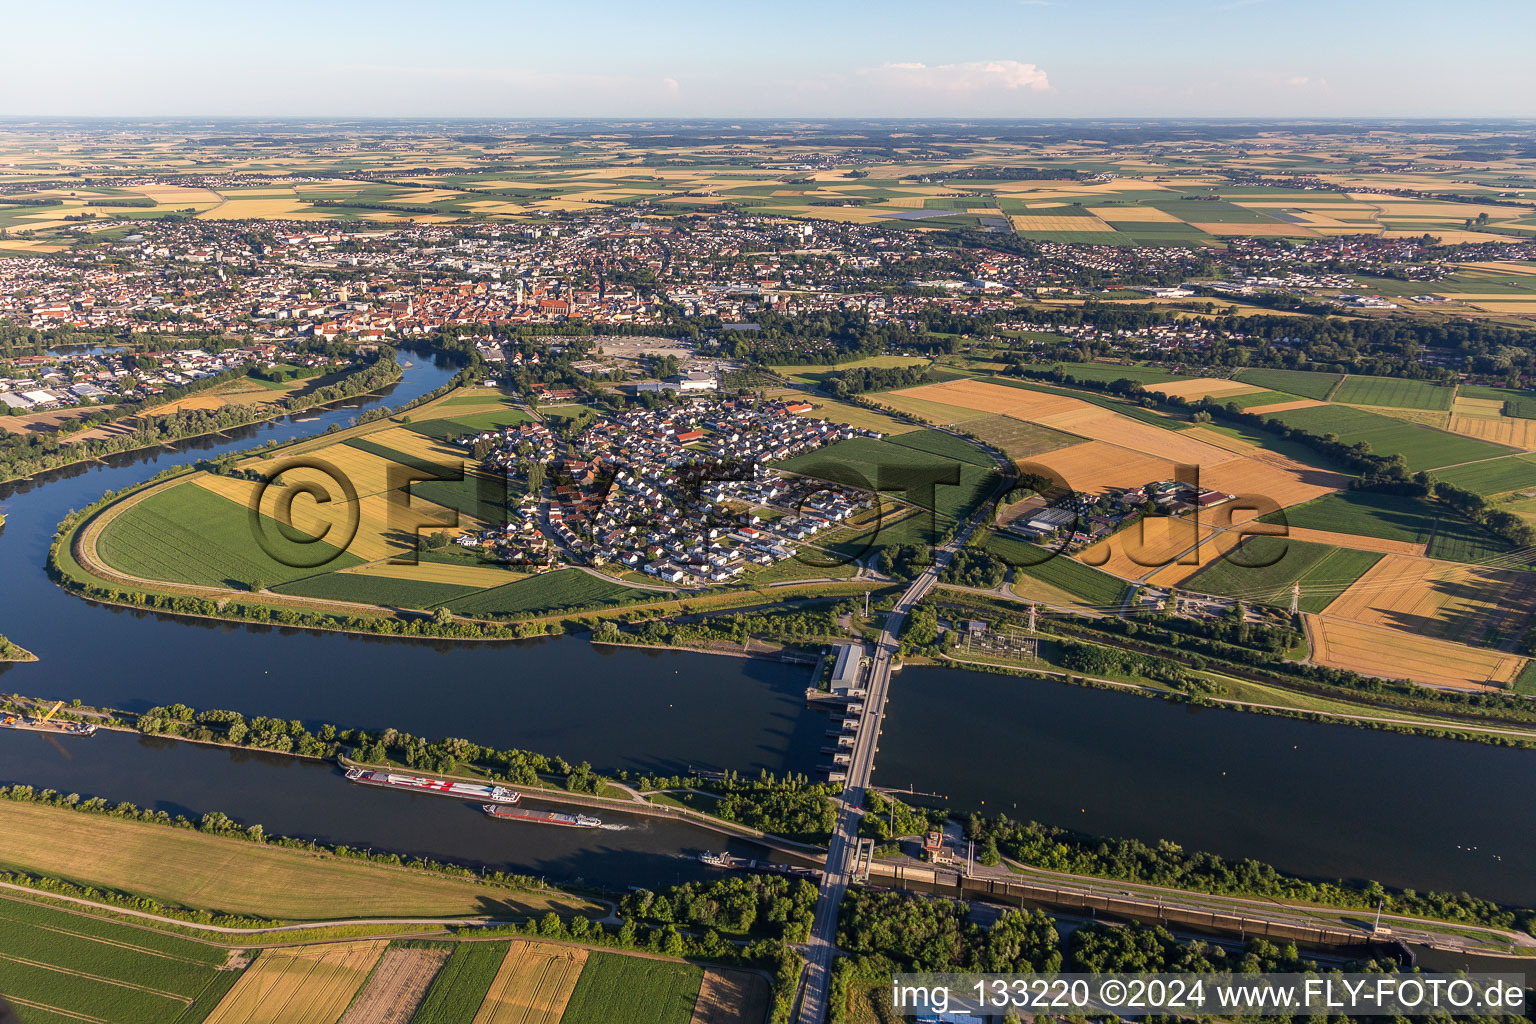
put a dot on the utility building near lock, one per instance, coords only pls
(846, 670)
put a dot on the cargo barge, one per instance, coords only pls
(440, 787)
(543, 817)
(731, 862)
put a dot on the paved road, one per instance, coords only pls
(821, 947)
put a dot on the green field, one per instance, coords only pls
(562, 590)
(1393, 393)
(1395, 517)
(1059, 571)
(379, 590)
(56, 965)
(617, 989)
(1494, 476)
(1423, 447)
(1110, 372)
(897, 468)
(1262, 570)
(449, 429)
(946, 446)
(460, 987)
(1302, 383)
(187, 534)
(1254, 398)
(816, 373)
(1018, 439)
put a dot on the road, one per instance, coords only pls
(821, 947)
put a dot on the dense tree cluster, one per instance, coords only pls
(741, 905)
(1168, 864)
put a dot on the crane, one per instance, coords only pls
(50, 714)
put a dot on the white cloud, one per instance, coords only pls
(962, 79)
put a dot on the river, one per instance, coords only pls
(1319, 800)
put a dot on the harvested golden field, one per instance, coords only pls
(1204, 387)
(1135, 215)
(983, 397)
(1393, 654)
(1477, 406)
(1268, 474)
(186, 868)
(730, 997)
(1433, 598)
(533, 985)
(1235, 445)
(384, 521)
(1096, 466)
(1510, 430)
(303, 985)
(440, 572)
(1072, 416)
(1255, 230)
(1213, 547)
(1355, 542)
(1300, 403)
(1048, 222)
(1153, 543)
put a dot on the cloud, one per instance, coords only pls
(670, 86)
(962, 79)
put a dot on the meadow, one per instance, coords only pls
(57, 965)
(380, 590)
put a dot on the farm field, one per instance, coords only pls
(300, 985)
(1085, 585)
(396, 986)
(1371, 650)
(533, 985)
(188, 534)
(57, 965)
(386, 591)
(1018, 439)
(185, 868)
(856, 416)
(1422, 447)
(1495, 476)
(458, 989)
(1389, 517)
(1206, 387)
(1465, 603)
(731, 997)
(1515, 431)
(1301, 383)
(561, 590)
(809, 373)
(1393, 392)
(1145, 375)
(873, 465)
(616, 989)
(1262, 569)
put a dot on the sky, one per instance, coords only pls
(773, 58)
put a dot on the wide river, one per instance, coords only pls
(1320, 800)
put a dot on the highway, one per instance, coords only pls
(821, 947)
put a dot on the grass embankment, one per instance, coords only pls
(196, 871)
(14, 652)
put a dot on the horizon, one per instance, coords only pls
(982, 60)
